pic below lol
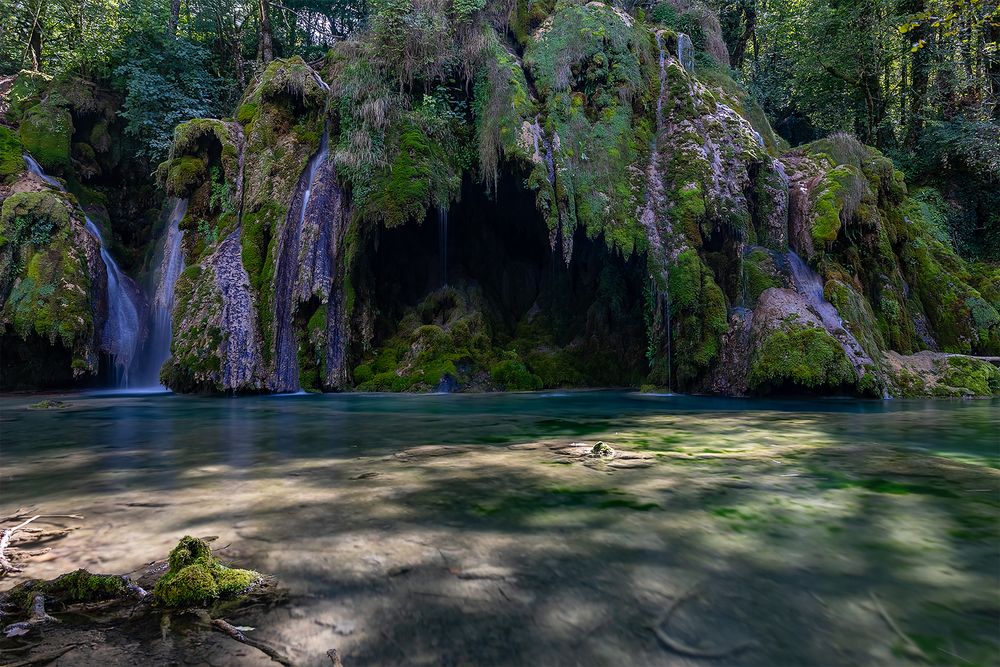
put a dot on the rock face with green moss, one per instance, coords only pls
(518, 195)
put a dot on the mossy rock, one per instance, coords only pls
(196, 578)
(793, 356)
(46, 132)
(72, 588)
(972, 376)
(11, 162)
(513, 375)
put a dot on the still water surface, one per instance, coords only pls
(773, 520)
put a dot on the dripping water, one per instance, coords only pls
(170, 263)
(286, 343)
(121, 329)
(809, 284)
(685, 51)
(656, 192)
(442, 213)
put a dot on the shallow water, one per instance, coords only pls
(461, 529)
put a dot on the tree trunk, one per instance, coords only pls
(35, 45)
(265, 46)
(175, 12)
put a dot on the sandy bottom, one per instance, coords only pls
(768, 540)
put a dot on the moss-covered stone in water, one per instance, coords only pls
(72, 588)
(11, 162)
(197, 578)
(46, 132)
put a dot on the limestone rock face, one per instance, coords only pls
(443, 209)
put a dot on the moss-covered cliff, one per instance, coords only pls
(537, 194)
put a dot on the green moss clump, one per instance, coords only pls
(975, 376)
(513, 375)
(698, 318)
(72, 588)
(803, 357)
(46, 132)
(760, 273)
(196, 578)
(44, 274)
(827, 204)
(11, 162)
(182, 175)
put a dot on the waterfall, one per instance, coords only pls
(655, 203)
(809, 284)
(685, 51)
(285, 300)
(443, 242)
(170, 263)
(541, 142)
(121, 329)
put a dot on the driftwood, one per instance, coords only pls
(334, 658)
(678, 646)
(5, 564)
(270, 652)
(38, 616)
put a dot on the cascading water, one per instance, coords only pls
(655, 204)
(286, 376)
(120, 334)
(170, 263)
(443, 243)
(809, 284)
(685, 51)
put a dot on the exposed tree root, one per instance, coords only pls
(270, 652)
(678, 646)
(38, 616)
(5, 564)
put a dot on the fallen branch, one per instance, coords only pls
(38, 616)
(5, 564)
(910, 646)
(678, 646)
(270, 652)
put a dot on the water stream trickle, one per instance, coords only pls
(170, 263)
(443, 242)
(809, 284)
(655, 203)
(286, 342)
(120, 334)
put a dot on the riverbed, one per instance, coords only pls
(476, 530)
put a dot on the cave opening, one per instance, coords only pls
(497, 252)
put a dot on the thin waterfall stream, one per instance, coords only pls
(286, 342)
(170, 264)
(120, 335)
(443, 243)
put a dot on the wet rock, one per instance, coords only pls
(602, 450)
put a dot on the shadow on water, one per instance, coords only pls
(772, 522)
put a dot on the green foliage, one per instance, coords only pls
(165, 82)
